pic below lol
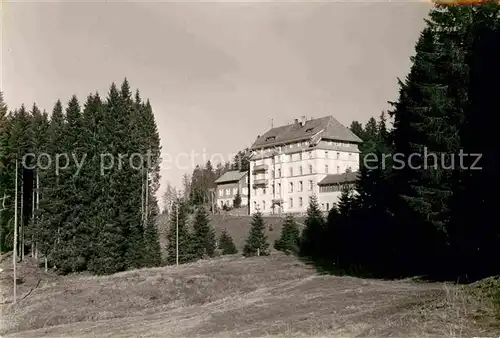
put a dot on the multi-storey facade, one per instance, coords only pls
(228, 186)
(288, 162)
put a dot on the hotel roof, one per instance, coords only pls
(321, 128)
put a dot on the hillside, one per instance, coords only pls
(234, 296)
(237, 227)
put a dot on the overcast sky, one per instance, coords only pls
(216, 73)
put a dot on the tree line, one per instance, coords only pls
(436, 218)
(198, 187)
(81, 217)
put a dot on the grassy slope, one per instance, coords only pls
(237, 227)
(231, 296)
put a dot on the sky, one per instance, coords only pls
(217, 73)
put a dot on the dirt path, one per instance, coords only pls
(271, 296)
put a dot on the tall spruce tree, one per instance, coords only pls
(256, 243)
(311, 244)
(178, 228)
(203, 239)
(475, 218)
(289, 241)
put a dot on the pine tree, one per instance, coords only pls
(256, 243)
(473, 226)
(289, 241)
(357, 129)
(311, 244)
(52, 207)
(6, 182)
(226, 244)
(237, 200)
(112, 244)
(346, 200)
(203, 239)
(185, 239)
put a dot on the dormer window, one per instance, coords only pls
(270, 138)
(308, 130)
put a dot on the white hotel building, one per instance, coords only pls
(292, 162)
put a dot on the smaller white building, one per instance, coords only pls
(330, 188)
(228, 186)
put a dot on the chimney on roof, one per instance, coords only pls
(296, 121)
(302, 120)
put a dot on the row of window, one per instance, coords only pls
(299, 156)
(234, 191)
(262, 206)
(276, 189)
(301, 144)
(334, 187)
(277, 174)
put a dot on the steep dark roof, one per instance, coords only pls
(339, 178)
(325, 127)
(231, 176)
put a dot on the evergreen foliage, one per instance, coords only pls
(237, 200)
(226, 244)
(203, 235)
(179, 230)
(87, 212)
(312, 236)
(289, 241)
(256, 243)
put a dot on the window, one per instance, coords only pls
(308, 130)
(228, 192)
(300, 171)
(335, 187)
(300, 156)
(246, 179)
(300, 186)
(221, 192)
(279, 172)
(263, 205)
(300, 201)
(263, 191)
(270, 138)
(291, 202)
(245, 191)
(349, 156)
(272, 174)
(290, 187)
(254, 205)
(323, 206)
(326, 154)
(338, 169)
(279, 188)
(338, 155)
(290, 156)
(326, 169)
(310, 169)
(310, 185)
(327, 206)
(310, 154)
(235, 191)
(291, 171)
